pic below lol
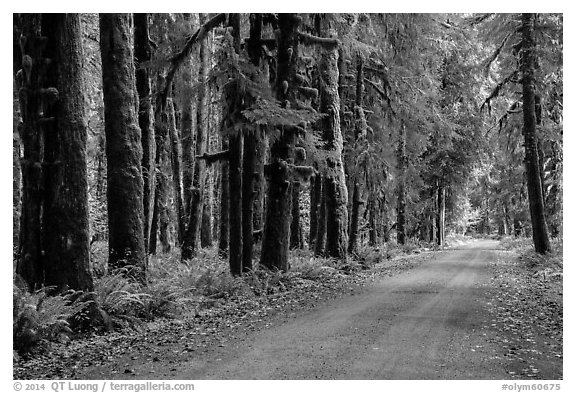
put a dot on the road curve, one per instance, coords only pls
(422, 324)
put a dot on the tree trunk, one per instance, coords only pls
(336, 193)
(30, 264)
(206, 227)
(16, 172)
(253, 167)
(189, 121)
(441, 212)
(176, 159)
(191, 236)
(223, 239)
(163, 168)
(259, 182)
(356, 203)
(235, 147)
(275, 241)
(372, 233)
(254, 171)
(123, 146)
(66, 233)
(315, 199)
(401, 188)
(143, 53)
(527, 64)
(295, 226)
(320, 246)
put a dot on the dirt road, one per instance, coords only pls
(422, 324)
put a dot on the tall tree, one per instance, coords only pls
(336, 193)
(30, 264)
(142, 54)
(123, 145)
(275, 240)
(527, 65)
(235, 147)
(66, 239)
(192, 234)
(252, 155)
(401, 166)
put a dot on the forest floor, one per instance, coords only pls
(472, 312)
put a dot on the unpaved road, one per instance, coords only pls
(422, 324)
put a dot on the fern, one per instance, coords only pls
(39, 317)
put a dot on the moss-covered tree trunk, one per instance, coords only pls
(176, 160)
(336, 193)
(235, 147)
(189, 76)
(360, 129)
(527, 65)
(295, 226)
(441, 213)
(142, 54)
(355, 218)
(224, 231)
(252, 156)
(207, 211)
(315, 195)
(275, 240)
(372, 218)
(30, 264)
(401, 166)
(320, 245)
(16, 171)
(161, 215)
(123, 145)
(65, 237)
(192, 234)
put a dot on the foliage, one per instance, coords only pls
(40, 317)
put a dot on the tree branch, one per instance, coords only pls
(328, 43)
(496, 92)
(178, 59)
(213, 157)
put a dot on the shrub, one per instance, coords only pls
(39, 317)
(121, 298)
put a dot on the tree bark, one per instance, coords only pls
(143, 53)
(163, 168)
(441, 213)
(315, 199)
(401, 187)
(191, 236)
(527, 65)
(66, 233)
(206, 227)
(372, 232)
(223, 239)
(235, 147)
(320, 246)
(176, 158)
(123, 146)
(189, 122)
(336, 193)
(295, 225)
(30, 264)
(253, 167)
(275, 240)
(356, 203)
(16, 172)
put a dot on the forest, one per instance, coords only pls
(193, 169)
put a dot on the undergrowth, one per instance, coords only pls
(173, 290)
